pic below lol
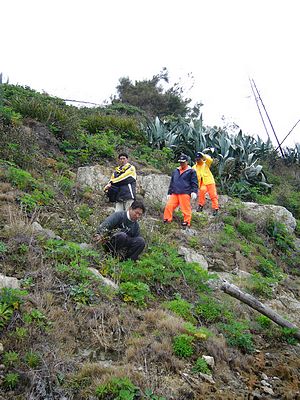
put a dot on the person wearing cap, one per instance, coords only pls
(123, 183)
(183, 187)
(206, 182)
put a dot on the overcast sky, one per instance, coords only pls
(79, 50)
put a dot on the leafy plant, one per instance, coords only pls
(117, 389)
(181, 307)
(10, 358)
(32, 359)
(208, 309)
(183, 346)
(11, 380)
(201, 366)
(137, 293)
(283, 240)
(82, 293)
(237, 335)
(3, 247)
(20, 178)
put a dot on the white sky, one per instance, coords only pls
(79, 49)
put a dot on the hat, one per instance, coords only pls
(199, 154)
(183, 158)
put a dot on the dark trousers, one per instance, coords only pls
(120, 244)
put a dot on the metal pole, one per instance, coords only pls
(279, 146)
(259, 109)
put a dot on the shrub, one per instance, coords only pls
(32, 359)
(20, 178)
(268, 268)
(10, 358)
(261, 286)
(82, 294)
(137, 293)
(37, 199)
(11, 380)
(118, 389)
(237, 335)
(183, 346)
(3, 247)
(84, 211)
(181, 307)
(246, 229)
(208, 309)
(283, 240)
(263, 321)
(201, 366)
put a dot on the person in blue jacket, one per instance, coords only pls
(183, 187)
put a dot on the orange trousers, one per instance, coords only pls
(212, 192)
(182, 200)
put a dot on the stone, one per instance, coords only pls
(9, 282)
(210, 361)
(154, 187)
(1, 348)
(38, 229)
(260, 213)
(191, 255)
(104, 280)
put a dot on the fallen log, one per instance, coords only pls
(252, 302)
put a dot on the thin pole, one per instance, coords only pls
(279, 145)
(289, 132)
(262, 118)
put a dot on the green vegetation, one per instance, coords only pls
(182, 308)
(201, 366)
(183, 346)
(118, 389)
(237, 335)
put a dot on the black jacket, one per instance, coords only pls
(119, 222)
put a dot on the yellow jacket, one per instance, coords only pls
(204, 175)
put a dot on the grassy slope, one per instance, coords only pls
(70, 335)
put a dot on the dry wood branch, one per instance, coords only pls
(252, 302)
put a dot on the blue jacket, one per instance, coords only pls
(184, 183)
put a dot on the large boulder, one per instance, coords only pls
(153, 187)
(260, 213)
(95, 177)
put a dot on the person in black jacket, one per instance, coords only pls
(122, 184)
(120, 232)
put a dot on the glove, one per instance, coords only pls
(193, 196)
(168, 196)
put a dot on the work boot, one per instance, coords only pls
(166, 221)
(200, 208)
(184, 225)
(215, 212)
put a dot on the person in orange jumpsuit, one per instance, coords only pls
(206, 182)
(183, 187)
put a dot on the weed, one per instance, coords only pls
(261, 286)
(181, 307)
(11, 380)
(137, 293)
(183, 346)
(84, 211)
(20, 178)
(118, 389)
(263, 321)
(201, 366)
(21, 333)
(237, 335)
(208, 309)
(151, 396)
(32, 359)
(10, 358)
(37, 199)
(246, 229)
(229, 220)
(82, 294)
(199, 333)
(268, 268)
(278, 232)
(3, 247)
(287, 335)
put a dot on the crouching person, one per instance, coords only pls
(120, 232)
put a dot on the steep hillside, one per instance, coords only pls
(158, 328)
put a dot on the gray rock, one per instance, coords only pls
(9, 282)
(210, 361)
(260, 213)
(104, 280)
(95, 177)
(38, 229)
(154, 187)
(192, 256)
(1, 348)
